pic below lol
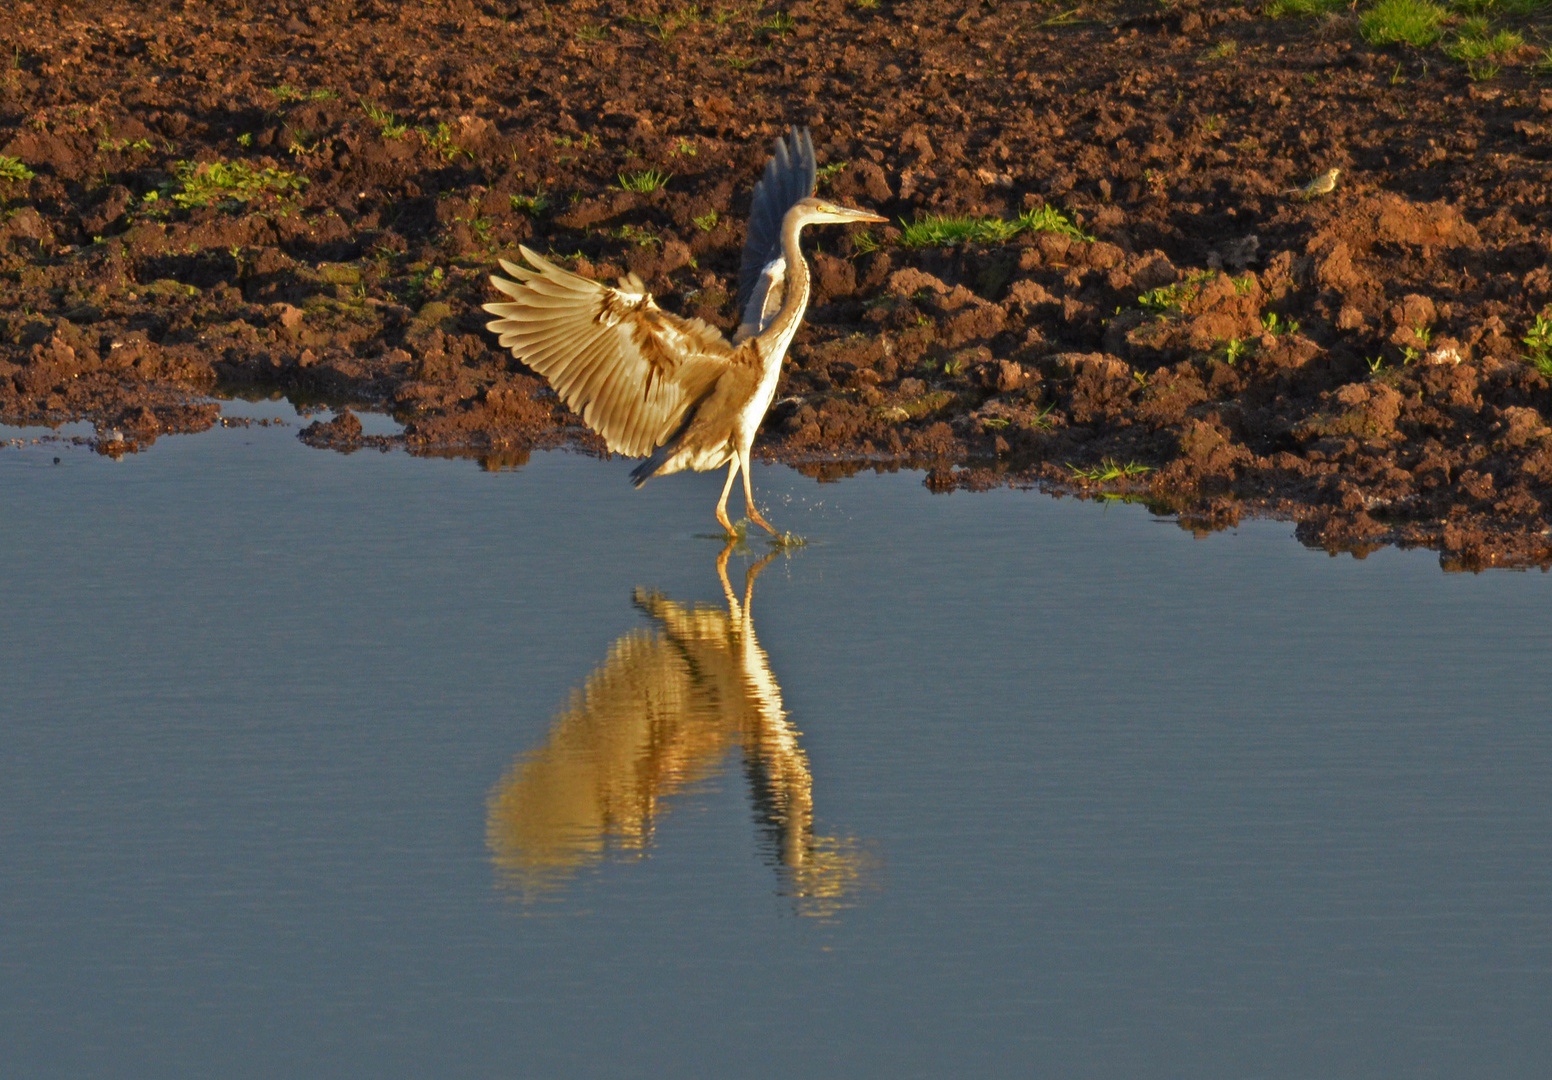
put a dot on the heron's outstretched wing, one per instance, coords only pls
(790, 176)
(629, 368)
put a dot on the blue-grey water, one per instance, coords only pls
(374, 766)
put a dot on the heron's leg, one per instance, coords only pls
(727, 586)
(749, 576)
(722, 518)
(749, 507)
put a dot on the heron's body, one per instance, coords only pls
(653, 383)
(733, 403)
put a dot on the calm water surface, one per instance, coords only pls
(372, 766)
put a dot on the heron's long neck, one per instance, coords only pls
(777, 336)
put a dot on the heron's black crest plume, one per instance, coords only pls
(790, 176)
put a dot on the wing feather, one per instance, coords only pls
(609, 400)
(627, 367)
(593, 371)
(790, 176)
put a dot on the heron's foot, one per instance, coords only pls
(754, 516)
(787, 541)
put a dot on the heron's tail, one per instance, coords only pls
(648, 469)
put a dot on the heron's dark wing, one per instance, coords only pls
(790, 176)
(629, 368)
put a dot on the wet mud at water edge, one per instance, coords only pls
(1113, 284)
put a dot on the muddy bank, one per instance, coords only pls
(308, 197)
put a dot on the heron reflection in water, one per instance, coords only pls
(662, 713)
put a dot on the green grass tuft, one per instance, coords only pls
(1171, 299)
(1278, 328)
(1167, 298)
(1109, 469)
(1498, 7)
(387, 124)
(211, 182)
(1065, 18)
(532, 205)
(13, 171)
(644, 181)
(1481, 50)
(635, 234)
(1393, 22)
(1234, 350)
(1051, 220)
(779, 25)
(283, 92)
(441, 142)
(934, 230)
(1538, 343)
(118, 146)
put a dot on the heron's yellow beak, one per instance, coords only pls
(843, 215)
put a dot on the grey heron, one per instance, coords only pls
(662, 386)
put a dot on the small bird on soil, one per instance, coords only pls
(654, 383)
(1324, 184)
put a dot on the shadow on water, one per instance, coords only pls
(665, 711)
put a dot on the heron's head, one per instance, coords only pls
(814, 211)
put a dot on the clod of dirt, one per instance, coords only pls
(342, 432)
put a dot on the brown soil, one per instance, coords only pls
(1169, 133)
